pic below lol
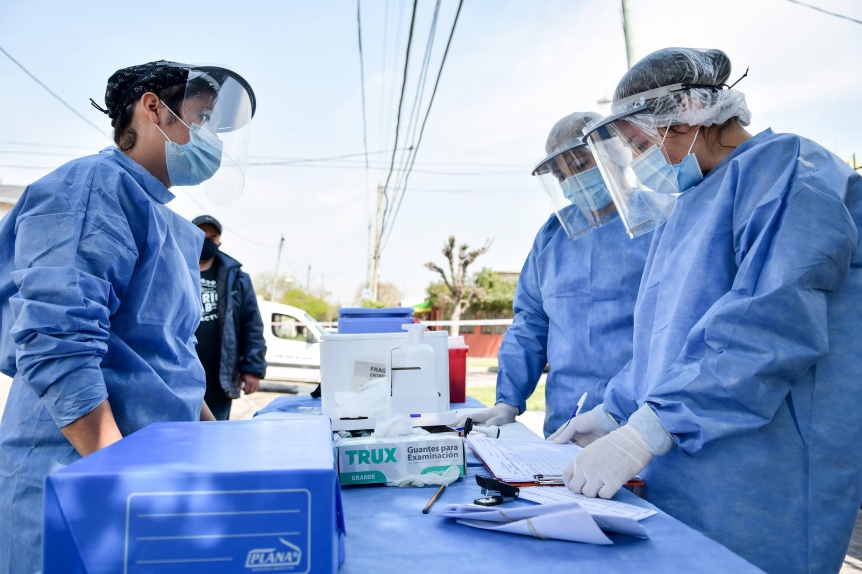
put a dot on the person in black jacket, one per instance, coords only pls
(230, 335)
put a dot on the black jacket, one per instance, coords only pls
(243, 349)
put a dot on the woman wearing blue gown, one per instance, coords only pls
(740, 407)
(99, 284)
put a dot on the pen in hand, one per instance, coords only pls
(581, 402)
(433, 498)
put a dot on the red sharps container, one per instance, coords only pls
(457, 370)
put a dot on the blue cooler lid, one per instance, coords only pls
(369, 313)
(355, 320)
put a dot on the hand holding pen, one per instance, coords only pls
(561, 431)
(586, 428)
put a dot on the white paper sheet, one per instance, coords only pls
(520, 460)
(553, 495)
(569, 522)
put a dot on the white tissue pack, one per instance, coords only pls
(369, 460)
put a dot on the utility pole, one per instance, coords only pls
(308, 280)
(627, 33)
(375, 276)
(275, 275)
(368, 265)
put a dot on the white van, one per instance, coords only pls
(292, 343)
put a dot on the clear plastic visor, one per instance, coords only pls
(637, 172)
(573, 185)
(223, 106)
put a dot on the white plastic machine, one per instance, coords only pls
(415, 366)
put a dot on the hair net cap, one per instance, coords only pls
(131, 83)
(569, 131)
(705, 103)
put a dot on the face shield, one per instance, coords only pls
(573, 185)
(218, 105)
(639, 176)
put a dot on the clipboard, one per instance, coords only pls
(507, 455)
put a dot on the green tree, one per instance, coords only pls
(497, 294)
(314, 306)
(263, 285)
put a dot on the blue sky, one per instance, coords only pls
(514, 68)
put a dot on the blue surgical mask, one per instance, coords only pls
(687, 171)
(587, 190)
(196, 161)
(654, 172)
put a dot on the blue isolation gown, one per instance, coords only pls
(99, 298)
(747, 346)
(573, 311)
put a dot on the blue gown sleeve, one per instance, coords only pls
(73, 256)
(793, 247)
(523, 352)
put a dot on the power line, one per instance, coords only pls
(59, 99)
(31, 144)
(417, 98)
(401, 184)
(398, 116)
(362, 79)
(384, 77)
(475, 190)
(425, 120)
(280, 160)
(48, 153)
(344, 161)
(490, 172)
(350, 161)
(826, 11)
(205, 210)
(390, 78)
(292, 160)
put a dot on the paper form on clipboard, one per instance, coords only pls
(519, 461)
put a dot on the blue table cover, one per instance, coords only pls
(306, 404)
(387, 532)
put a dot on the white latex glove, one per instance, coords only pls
(499, 414)
(607, 464)
(448, 477)
(585, 428)
(614, 459)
